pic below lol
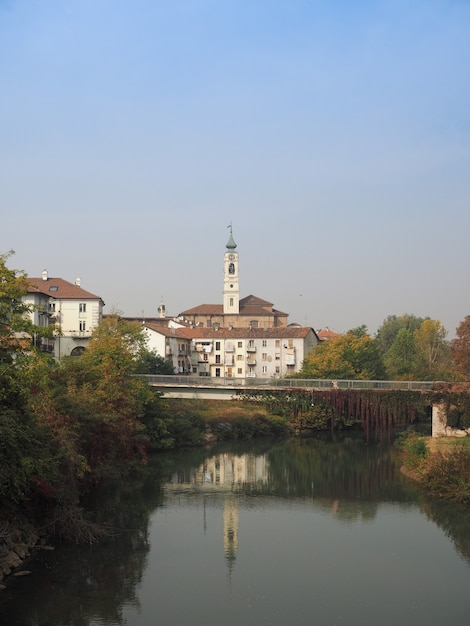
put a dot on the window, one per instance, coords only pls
(51, 307)
(82, 326)
(278, 369)
(264, 356)
(205, 356)
(217, 358)
(231, 268)
(208, 323)
(240, 344)
(278, 356)
(291, 343)
(217, 372)
(265, 369)
(239, 370)
(278, 343)
(217, 345)
(82, 307)
(254, 323)
(53, 288)
(231, 301)
(265, 343)
(239, 357)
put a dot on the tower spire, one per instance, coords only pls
(231, 245)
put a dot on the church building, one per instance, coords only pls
(248, 312)
(241, 338)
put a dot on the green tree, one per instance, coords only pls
(460, 349)
(149, 362)
(390, 328)
(359, 331)
(401, 358)
(15, 327)
(345, 357)
(432, 351)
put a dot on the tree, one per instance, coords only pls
(359, 331)
(460, 349)
(401, 358)
(432, 350)
(149, 362)
(15, 327)
(345, 357)
(391, 326)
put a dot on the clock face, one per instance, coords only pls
(231, 256)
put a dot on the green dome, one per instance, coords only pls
(231, 245)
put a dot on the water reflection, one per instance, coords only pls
(255, 510)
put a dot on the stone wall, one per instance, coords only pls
(17, 538)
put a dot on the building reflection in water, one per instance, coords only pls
(225, 474)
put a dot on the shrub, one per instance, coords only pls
(448, 476)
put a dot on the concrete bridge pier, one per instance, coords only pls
(439, 423)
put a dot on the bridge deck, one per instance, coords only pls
(202, 382)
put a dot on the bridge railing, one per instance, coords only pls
(206, 381)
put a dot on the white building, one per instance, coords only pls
(74, 312)
(251, 353)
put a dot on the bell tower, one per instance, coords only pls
(231, 285)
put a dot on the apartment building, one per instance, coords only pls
(73, 311)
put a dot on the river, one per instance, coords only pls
(293, 532)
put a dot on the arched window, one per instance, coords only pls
(231, 268)
(78, 351)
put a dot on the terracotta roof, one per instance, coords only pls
(205, 309)
(254, 300)
(325, 334)
(250, 305)
(284, 332)
(59, 288)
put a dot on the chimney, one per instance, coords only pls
(78, 281)
(44, 275)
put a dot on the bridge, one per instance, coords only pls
(187, 386)
(225, 388)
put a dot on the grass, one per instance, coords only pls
(216, 410)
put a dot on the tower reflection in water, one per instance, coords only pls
(226, 475)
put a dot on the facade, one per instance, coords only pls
(74, 311)
(241, 338)
(172, 342)
(250, 353)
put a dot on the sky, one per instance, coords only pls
(333, 135)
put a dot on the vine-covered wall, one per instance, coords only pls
(377, 412)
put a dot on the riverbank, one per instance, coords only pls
(18, 538)
(440, 465)
(199, 422)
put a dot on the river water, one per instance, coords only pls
(291, 532)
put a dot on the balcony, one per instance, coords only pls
(251, 349)
(77, 334)
(251, 362)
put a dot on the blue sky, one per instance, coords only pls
(333, 135)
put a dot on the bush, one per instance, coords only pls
(415, 450)
(448, 476)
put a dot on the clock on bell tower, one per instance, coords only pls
(231, 286)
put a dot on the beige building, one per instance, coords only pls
(74, 311)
